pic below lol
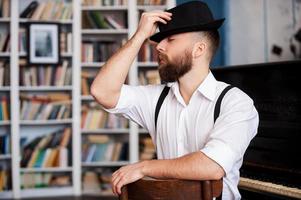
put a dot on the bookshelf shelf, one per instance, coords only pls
(63, 54)
(5, 157)
(143, 131)
(106, 131)
(7, 194)
(105, 31)
(4, 123)
(105, 164)
(104, 8)
(147, 64)
(4, 54)
(92, 64)
(25, 20)
(4, 88)
(87, 98)
(54, 169)
(22, 54)
(44, 122)
(45, 88)
(47, 192)
(5, 19)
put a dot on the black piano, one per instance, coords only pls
(272, 163)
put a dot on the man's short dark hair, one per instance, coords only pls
(214, 39)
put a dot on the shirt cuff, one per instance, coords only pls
(221, 153)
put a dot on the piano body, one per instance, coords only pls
(272, 163)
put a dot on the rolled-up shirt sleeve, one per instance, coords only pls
(137, 104)
(233, 130)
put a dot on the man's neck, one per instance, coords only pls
(191, 81)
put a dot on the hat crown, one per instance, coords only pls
(190, 13)
(187, 17)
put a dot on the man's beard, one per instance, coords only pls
(171, 71)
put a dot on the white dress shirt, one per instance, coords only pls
(183, 129)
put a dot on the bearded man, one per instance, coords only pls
(191, 143)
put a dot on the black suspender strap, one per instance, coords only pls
(219, 102)
(160, 102)
(217, 111)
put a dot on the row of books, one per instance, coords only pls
(4, 108)
(93, 117)
(151, 2)
(98, 20)
(66, 42)
(45, 106)
(148, 53)
(98, 148)
(87, 78)
(5, 176)
(42, 180)
(149, 77)
(4, 73)
(98, 51)
(4, 8)
(50, 150)
(4, 41)
(146, 149)
(97, 181)
(104, 2)
(50, 75)
(48, 10)
(5, 144)
(121, 2)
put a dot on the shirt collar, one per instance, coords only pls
(207, 88)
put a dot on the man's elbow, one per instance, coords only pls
(108, 101)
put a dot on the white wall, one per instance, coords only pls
(253, 27)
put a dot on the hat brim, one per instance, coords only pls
(199, 27)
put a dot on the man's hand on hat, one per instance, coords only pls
(148, 22)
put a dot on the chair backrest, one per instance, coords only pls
(172, 189)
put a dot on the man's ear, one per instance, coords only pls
(199, 49)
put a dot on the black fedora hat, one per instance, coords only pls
(187, 17)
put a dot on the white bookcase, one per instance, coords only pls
(17, 126)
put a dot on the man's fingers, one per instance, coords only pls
(158, 19)
(119, 185)
(164, 15)
(114, 183)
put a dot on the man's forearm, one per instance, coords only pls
(194, 166)
(112, 75)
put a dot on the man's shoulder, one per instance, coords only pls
(234, 94)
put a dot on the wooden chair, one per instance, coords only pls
(150, 189)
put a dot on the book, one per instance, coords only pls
(113, 22)
(5, 144)
(28, 11)
(5, 8)
(4, 108)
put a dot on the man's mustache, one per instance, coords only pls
(162, 56)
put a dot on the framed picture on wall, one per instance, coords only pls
(43, 43)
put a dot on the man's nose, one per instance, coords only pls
(161, 46)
